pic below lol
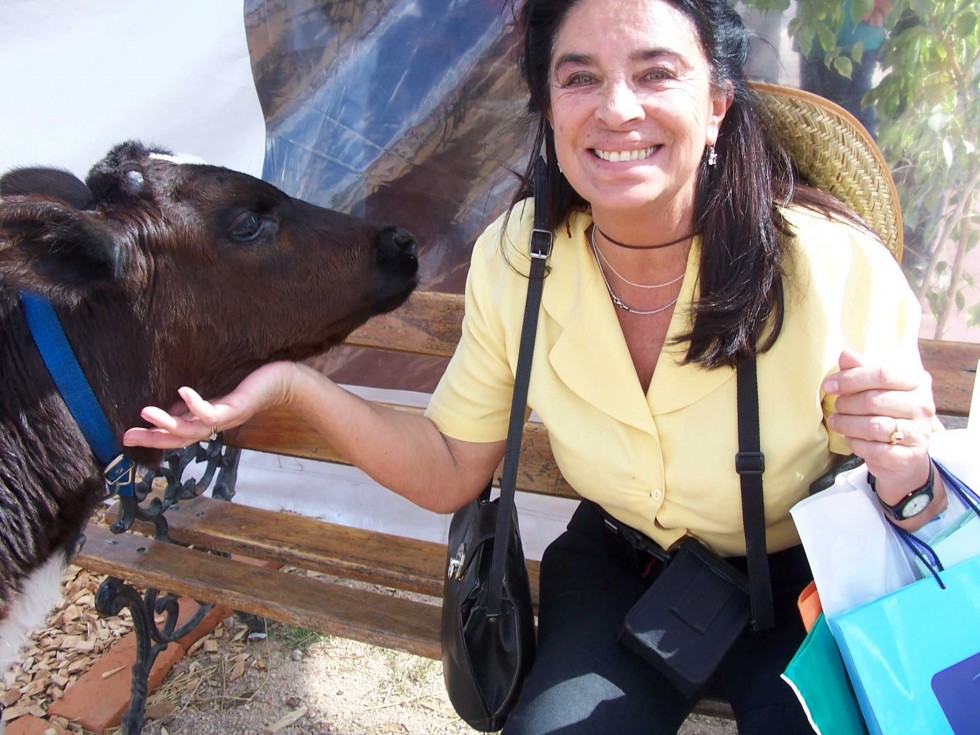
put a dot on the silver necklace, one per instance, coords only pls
(604, 259)
(618, 301)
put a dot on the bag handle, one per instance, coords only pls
(540, 248)
(952, 482)
(750, 463)
(927, 555)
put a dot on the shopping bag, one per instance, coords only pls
(818, 677)
(857, 558)
(854, 554)
(853, 550)
(809, 606)
(913, 656)
(957, 450)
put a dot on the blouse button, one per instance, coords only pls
(658, 494)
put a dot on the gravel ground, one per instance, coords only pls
(295, 682)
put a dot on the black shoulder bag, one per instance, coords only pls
(487, 633)
(697, 608)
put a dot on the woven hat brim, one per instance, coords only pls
(836, 154)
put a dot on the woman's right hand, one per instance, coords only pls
(402, 450)
(264, 388)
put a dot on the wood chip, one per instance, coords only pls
(72, 612)
(38, 685)
(237, 672)
(288, 720)
(13, 713)
(159, 709)
(9, 697)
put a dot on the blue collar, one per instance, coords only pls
(67, 374)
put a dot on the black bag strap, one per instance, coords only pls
(750, 463)
(540, 248)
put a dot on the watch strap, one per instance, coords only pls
(895, 510)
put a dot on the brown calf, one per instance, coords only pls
(163, 273)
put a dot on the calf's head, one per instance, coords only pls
(166, 272)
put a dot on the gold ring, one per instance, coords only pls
(897, 436)
(214, 433)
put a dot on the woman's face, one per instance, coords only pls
(632, 107)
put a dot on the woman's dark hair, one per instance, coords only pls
(740, 309)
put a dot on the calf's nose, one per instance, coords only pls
(397, 240)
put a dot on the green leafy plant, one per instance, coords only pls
(927, 101)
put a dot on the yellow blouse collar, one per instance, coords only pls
(590, 355)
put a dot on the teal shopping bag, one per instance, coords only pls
(913, 656)
(818, 677)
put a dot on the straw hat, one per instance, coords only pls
(834, 152)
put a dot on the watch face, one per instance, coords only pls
(915, 505)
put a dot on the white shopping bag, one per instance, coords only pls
(959, 451)
(853, 553)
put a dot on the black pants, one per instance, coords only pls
(585, 683)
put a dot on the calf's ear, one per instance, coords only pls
(54, 250)
(47, 183)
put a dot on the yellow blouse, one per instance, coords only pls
(664, 462)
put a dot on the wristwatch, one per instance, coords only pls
(913, 503)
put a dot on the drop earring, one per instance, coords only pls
(712, 156)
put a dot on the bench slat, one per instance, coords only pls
(953, 367)
(282, 432)
(429, 323)
(306, 602)
(288, 539)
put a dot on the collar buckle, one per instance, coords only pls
(120, 476)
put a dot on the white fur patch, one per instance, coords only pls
(30, 608)
(179, 158)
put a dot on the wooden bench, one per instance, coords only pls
(370, 586)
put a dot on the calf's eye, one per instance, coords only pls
(248, 226)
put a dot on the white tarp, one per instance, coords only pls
(82, 75)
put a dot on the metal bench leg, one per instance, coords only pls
(114, 595)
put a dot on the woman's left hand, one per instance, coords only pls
(887, 414)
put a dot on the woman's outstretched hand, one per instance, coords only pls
(266, 387)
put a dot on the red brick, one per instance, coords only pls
(98, 702)
(209, 622)
(31, 725)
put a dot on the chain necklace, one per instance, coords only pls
(618, 301)
(623, 278)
